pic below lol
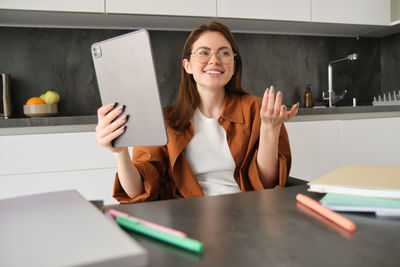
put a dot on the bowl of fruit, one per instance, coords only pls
(43, 106)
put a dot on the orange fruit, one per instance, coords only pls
(35, 101)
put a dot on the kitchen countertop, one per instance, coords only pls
(346, 113)
(40, 125)
(87, 123)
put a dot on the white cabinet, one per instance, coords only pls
(291, 10)
(205, 8)
(395, 11)
(319, 147)
(55, 5)
(52, 153)
(368, 12)
(316, 148)
(49, 162)
(372, 141)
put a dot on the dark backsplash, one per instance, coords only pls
(41, 59)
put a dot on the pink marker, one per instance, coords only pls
(116, 213)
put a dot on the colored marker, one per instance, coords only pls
(116, 213)
(327, 213)
(183, 242)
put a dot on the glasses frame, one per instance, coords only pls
(212, 53)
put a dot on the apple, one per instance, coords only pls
(50, 97)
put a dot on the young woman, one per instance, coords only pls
(221, 139)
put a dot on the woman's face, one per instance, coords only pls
(215, 72)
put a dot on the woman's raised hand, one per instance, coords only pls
(108, 128)
(272, 112)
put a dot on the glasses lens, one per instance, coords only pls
(224, 55)
(203, 55)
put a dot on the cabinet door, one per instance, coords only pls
(96, 6)
(294, 10)
(371, 141)
(369, 12)
(316, 148)
(41, 153)
(205, 8)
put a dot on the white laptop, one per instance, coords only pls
(62, 229)
(126, 75)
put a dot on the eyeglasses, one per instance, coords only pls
(225, 55)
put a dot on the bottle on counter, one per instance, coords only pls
(308, 103)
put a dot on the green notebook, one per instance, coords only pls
(352, 203)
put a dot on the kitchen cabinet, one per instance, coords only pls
(316, 148)
(297, 10)
(372, 141)
(319, 147)
(55, 5)
(39, 163)
(205, 8)
(52, 13)
(368, 12)
(370, 18)
(395, 11)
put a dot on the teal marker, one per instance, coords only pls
(183, 242)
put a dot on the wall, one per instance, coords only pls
(41, 59)
(390, 62)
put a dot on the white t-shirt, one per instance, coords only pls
(209, 156)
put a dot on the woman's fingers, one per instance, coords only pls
(106, 140)
(264, 105)
(110, 116)
(293, 111)
(109, 128)
(103, 110)
(272, 109)
(271, 100)
(278, 103)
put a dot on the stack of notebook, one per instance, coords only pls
(361, 188)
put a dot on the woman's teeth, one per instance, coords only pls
(213, 72)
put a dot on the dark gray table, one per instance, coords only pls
(265, 228)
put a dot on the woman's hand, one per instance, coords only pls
(108, 128)
(272, 112)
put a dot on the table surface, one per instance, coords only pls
(263, 228)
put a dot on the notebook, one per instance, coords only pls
(62, 229)
(126, 75)
(361, 180)
(352, 203)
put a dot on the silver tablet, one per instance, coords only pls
(126, 75)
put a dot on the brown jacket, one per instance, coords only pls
(167, 174)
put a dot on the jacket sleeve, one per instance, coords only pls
(284, 163)
(151, 163)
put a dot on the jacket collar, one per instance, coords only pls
(233, 109)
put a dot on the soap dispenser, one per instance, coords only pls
(308, 103)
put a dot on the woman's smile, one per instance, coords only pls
(214, 72)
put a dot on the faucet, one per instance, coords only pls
(332, 98)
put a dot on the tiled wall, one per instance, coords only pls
(59, 59)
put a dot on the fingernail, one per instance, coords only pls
(122, 128)
(113, 104)
(272, 89)
(279, 93)
(284, 107)
(297, 107)
(122, 107)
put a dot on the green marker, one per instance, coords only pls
(183, 242)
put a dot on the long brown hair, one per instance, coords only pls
(188, 98)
